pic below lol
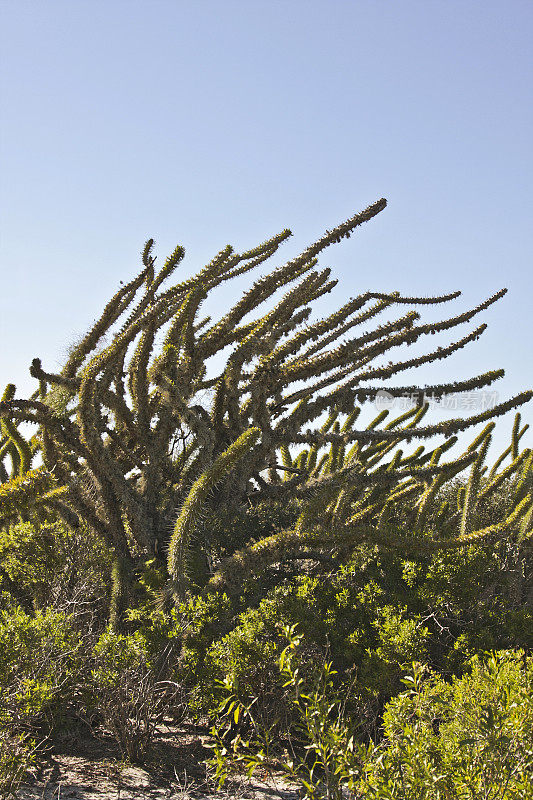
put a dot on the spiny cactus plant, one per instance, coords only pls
(12, 444)
(129, 426)
(411, 515)
(25, 493)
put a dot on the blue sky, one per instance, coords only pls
(213, 122)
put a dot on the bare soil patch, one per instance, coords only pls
(88, 768)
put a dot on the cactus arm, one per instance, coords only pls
(491, 485)
(525, 480)
(472, 488)
(22, 446)
(116, 306)
(23, 491)
(515, 437)
(183, 530)
(438, 390)
(427, 499)
(513, 518)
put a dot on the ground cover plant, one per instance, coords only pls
(190, 484)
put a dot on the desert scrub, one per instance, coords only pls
(40, 662)
(468, 738)
(129, 693)
(50, 564)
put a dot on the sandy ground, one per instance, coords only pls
(91, 769)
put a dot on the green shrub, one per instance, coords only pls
(17, 754)
(471, 738)
(52, 564)
(203, 620)
(354, 623)
(128, 693)
(39, 665)
(374, 617)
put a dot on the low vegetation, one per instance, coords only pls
(198, 527)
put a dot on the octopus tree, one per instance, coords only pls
(134, 429)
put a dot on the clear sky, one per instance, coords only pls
(206, 122)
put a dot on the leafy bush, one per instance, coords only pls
(39, 665)
(471, 738)
(127, 691)
(50, 564)
(375, 616)
(346, 616)
(17, 754)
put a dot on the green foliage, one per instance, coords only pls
(374, 616)
(222, 534)
(50, 564)
(12, 443)
(39, 661)
(203, 620)
(127, 692)
(130, 436)
(314, 732)
(114, 655)
(26, 496)
(350, 619)
(470, 738)
(17, 755)
(40, 668)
